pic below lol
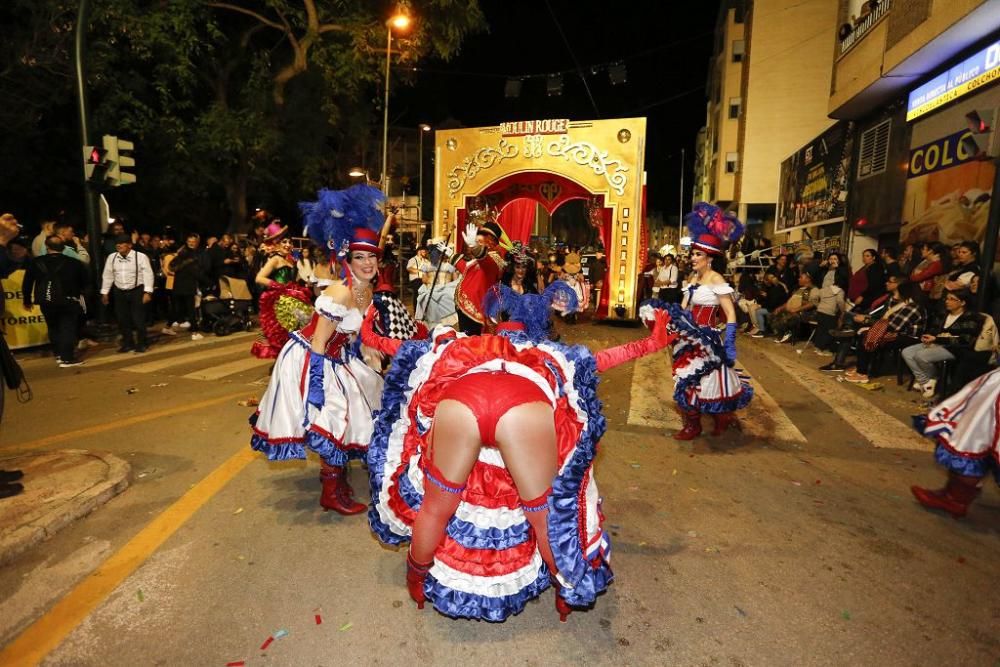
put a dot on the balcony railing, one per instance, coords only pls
(863, 25)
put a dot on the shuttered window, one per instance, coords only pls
(874, 155)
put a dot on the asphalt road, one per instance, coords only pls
(795, 542)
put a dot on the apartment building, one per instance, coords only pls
(768, 87)
(907, 75)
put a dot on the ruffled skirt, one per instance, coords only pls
(285, 424)
(966, 428)
(282, 310)
(488, 566)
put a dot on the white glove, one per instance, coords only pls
(469, 235)
(445, 249)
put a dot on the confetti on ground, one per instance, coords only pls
(961, 560)
(635, 465)
(142, 598)
(633, 488)
(131, 390)
(267, 642)
(740, 611)
(236, 663)
(238, 510)
(692, 533)
(280, 633)
(248, 402)
(675, 471)
(642, 544)
(797, 483)
(346, 626)
(160, 384)
(819, 481)
(692, 489)
(319, 620)
(846, 615)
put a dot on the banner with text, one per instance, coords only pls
(813, 182)
(21, 327)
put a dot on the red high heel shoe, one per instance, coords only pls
(416, 574)
(562, 607)
(725, 421)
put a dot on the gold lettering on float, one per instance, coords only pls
(484, 158)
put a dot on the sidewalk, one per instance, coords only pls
(59, 487)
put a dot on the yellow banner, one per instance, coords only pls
(21, 327)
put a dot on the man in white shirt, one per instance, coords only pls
(129, 276)
(670, 291)
(417, 269)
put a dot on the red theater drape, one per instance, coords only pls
(518, 219)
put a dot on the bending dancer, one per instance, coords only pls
(322, 392)
(967, 431)
(704, 377)
(483, 458)
(284, 305)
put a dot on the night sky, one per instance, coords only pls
(666, 61)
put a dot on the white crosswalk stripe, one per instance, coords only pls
(651, 404)
(206, 364)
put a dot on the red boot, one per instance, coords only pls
(416, 574)
(337, 493)
(724, 421)
(562, 607)
(692, 426)
(954, 498)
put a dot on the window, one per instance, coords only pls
(739, 48)
(732, 163)
(735, 103)
(873, 158)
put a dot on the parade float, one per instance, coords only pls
(551, 162)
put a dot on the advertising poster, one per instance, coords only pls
(813, 181)
(947, 193)
(21, 328)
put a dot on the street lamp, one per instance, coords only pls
(400, 22)
(357, 172)
(420, 171)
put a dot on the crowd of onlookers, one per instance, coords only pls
(912, 312)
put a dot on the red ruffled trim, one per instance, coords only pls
(275, 334)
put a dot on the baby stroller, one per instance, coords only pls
(230, 312)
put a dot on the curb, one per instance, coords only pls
(107, 476)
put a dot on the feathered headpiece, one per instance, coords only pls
(711, 227)
(529, 310)
(518, 254)
(345, 220)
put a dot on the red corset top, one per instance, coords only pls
(334, 345)
(705, 316)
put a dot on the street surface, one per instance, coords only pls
(796, 542)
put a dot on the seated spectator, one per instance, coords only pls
(787, 272)
(832, 301)
(900, 325)
(931, 273)
(870, 278)
(772, 296)
(951, 332)
(965, 266)
(789, 317)
(748, 305)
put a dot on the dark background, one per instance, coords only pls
(665, 48)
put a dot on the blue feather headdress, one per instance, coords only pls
(529, 310)
(708, 219)
(342, 219)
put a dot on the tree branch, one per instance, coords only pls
(249, 12)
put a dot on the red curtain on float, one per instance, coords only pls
(611, 260)
(518, 219)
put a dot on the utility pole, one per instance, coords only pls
(91, 203)
(680, 208)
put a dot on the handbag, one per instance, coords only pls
(878, 334)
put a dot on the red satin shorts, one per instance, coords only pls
(490, 395)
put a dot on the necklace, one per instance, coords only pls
(360, 296)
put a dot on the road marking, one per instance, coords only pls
(233, 367)
(193, 357)
(48, 632)
(157, 350)
(877, 426)
(651, 404)
(119, 423)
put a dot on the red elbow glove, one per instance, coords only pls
(615, 356)
(387, 346)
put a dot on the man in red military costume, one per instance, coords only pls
(481, 266)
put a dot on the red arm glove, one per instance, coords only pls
(387, 346)
(659, 339)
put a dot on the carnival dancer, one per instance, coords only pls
(704, 378)
(966, 429)
(284, 305)
(483, 459)
(480, 266)
(322, 393)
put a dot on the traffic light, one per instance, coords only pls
(981, 142)
(119, 154)
(95, 164)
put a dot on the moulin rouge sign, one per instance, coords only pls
(522, 128)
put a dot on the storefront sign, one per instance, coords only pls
(941, 154)
(522, 128)
(21, 327)
(813, 180)
(963, 78)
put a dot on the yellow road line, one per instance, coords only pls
(48, 632)
(119, 423)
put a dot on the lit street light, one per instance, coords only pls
(357, 172)
(400, 22)
(420, 177)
